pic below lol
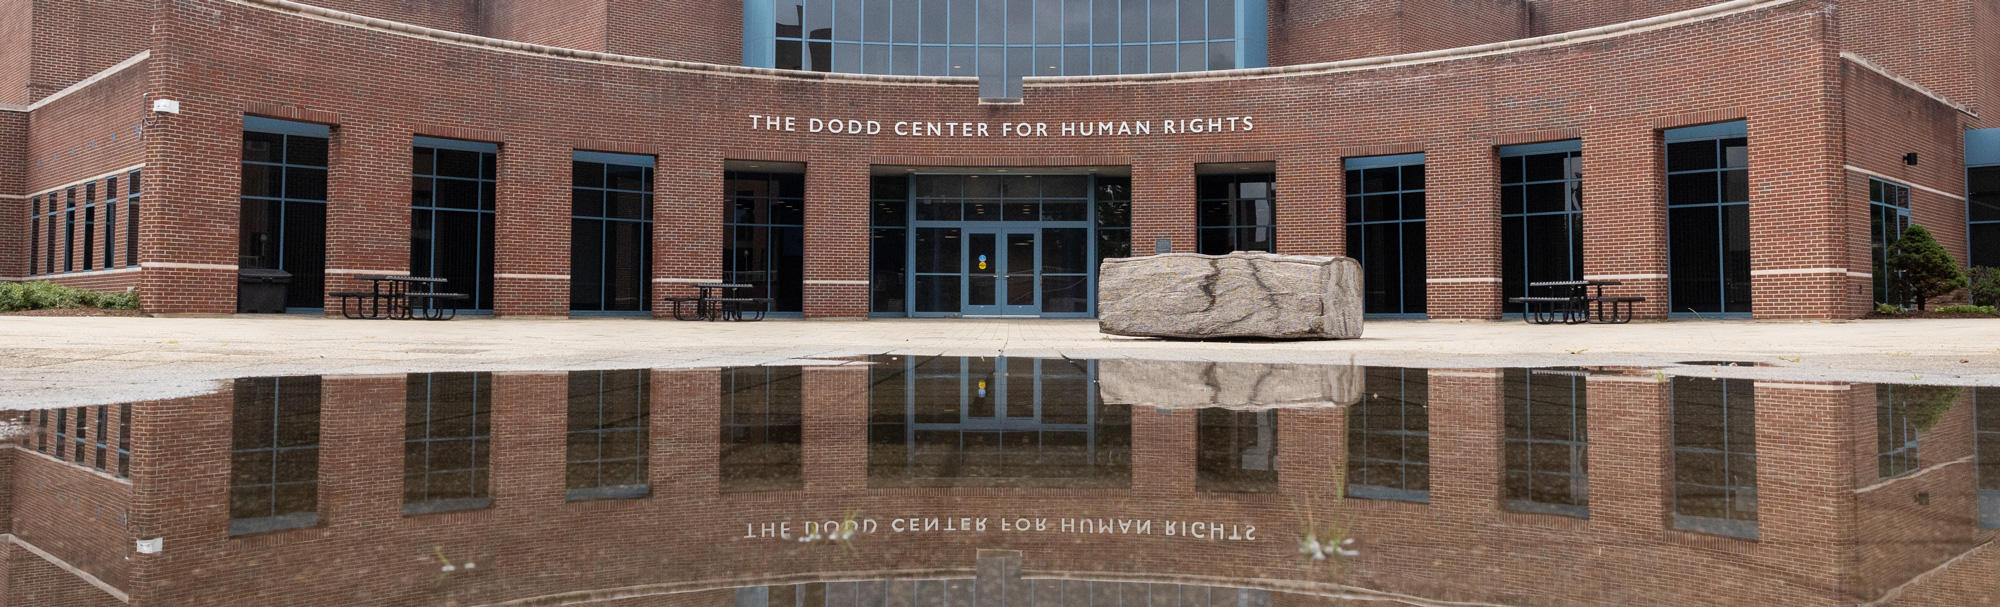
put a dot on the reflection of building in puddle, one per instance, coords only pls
(1388, 437)
(1715, 456)
(960, 421)
(999, 581)
(763, 429)
(1548, 446)
(1987, 401)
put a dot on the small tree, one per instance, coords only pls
(1924, 266)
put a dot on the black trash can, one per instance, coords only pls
(261, 290)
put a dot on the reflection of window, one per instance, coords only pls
(608, 423)
(274, 454)
(1895, 433)
(124, 441)
(1235, 213)
(952, 421)
(1388, 437)
(1986, 432)
(1715, 456)
(1547, 442)
(447, 441)
(763, 429)
(1236, 451)
(763, 236)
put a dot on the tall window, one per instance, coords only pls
(611, 232)
(50, 222)
(609, 419)
(1983, 210)
(80, 440)
(111, 204)
(1541, 215)
(282, 224)
(102, 446)
(1236, 451)
(34, 234)
(447, 437)
(1020, 38)
(1388, 437)
(1235, 212)
(89, 226)
(1385, 231)
(1888, 216)
(764, 236)
(42, 431)
(69, 230)
(125, 441)
(451, 224)
(1113, 200)
(1548, 446)
(132, 219)
(888, 241)
(274, 454)
(62, 434)
(1715, 456)
(1708, 219)
(763, 429)
(1986, 433)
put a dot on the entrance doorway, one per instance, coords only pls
(1000, 273)
(995, 245)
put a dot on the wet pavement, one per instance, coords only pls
(891, 480)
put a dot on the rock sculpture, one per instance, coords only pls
(1185, 295)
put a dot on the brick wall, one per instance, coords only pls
(707, 31)
(74, 513)
(1307, 31)
(28, 579)
(565, 23)
(1986, 44)
(464, 16)
(1557, 16)
(17, 43)
(1929, 42)
(74, 39)
(1885, 120)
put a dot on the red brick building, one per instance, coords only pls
(1637, 491)
(1741, 158)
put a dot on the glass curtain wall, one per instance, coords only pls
(452, 213)
(1040, 239)
(611, 232)
(1388, 437)
(763, 429)
(764, 237)
(610, 415)
(1548, 441)
(994, 422)
(1708, 219)
(1983, 211)
(1012, 37)
(1541, 215)
(1385, 231)
(1715, 456)
(1986, 436)
(889, 245)
(1237, 213)
(282, 223)
(1888, 216)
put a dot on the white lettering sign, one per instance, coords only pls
(1195, 530)
(919, 128)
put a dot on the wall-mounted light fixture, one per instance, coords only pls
(1910, 159)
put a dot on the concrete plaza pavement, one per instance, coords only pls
(62, 361)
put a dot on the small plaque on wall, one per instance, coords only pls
(1162, 246)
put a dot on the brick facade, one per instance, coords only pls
(1822, 93)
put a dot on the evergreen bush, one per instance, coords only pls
(1923, 264)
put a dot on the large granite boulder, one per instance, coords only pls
(1167, 384)
(1236, 295)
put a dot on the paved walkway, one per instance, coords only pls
(47, 361)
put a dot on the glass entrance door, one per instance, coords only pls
(1000, 272)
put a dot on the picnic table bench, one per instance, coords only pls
(390, 297)
(708, 305)
(1574, 303)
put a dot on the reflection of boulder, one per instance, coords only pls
(1234, 295)
(1181, 384)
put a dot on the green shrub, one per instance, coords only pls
(1924, 265)
(1984, 286)
(1888, 309)
(1965, 309)
(15, 297)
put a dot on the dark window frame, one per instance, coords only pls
(1734, 296)
(307, 290)
(483, 211)
(421, 435)
(1516, 214)
(1730, 454)
(929, 37)
(270, 477)
(604, 221)
(1360, 199)
(1527, 442)
(776, 236)
(1231, 207)
(593, 397)
(1394, 385)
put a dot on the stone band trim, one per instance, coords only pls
(534, 276)
(189, 266)
(1932, 468)
(838, 282)
(1897, 592)
(1460, 280)
(103, 272)
(1902, 181)
(1818, 387)
(81, 84)
(52, 190)
(1798, 271)
(331, 272)
(1871, 66)
(59, 563)
(690, 281)
(1624, 277)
